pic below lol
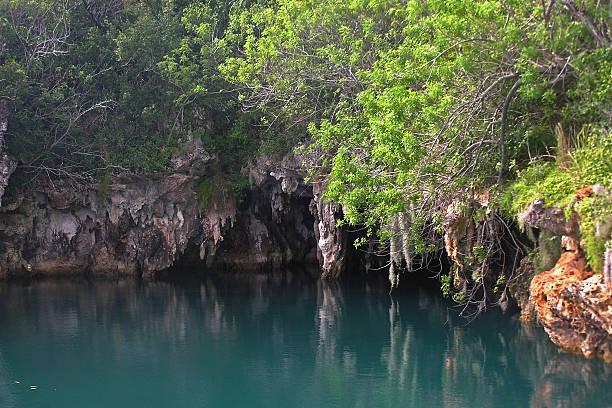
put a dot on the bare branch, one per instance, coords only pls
(599, 36)
(502, 132)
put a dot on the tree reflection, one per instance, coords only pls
(288, 341)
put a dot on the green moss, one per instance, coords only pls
(216, 190)
(210, 191)
(103, 187)
(548, 252)
(542, 181)
(593, 210)
(549, 246)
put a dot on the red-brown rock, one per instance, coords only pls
(575, 307)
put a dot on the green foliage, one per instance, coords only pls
(192, 67)
(13, 79)
(209, 192)
(445, 285)
(116, 86)
(405, 100)
(556, 182)
(480, 253)
(590, 164)
(414, 105)
(459, 297)
(500, 283)
(234, 143)
(542, 180)
(593, 210)
(83, 89)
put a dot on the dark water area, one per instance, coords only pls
(273, 340)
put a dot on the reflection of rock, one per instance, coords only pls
(574, 306)
(519, 288)
(556, 387)
(328, 320)
(323, 343)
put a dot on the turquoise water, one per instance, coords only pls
(278, 340)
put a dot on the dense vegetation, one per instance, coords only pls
(418, 104)
(408, 105)
(95, 87)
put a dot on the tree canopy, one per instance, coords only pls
(419, 101)
(95, 87)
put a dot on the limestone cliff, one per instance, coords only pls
(572, 302)
(138, 226)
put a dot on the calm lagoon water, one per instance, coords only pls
(277, 340)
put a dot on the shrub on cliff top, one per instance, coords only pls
(556, 183)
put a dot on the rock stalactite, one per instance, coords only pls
(331, 239)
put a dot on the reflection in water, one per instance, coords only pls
(273, 340)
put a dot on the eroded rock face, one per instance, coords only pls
(328, 239)
(7, 166)
(550, 218)
(575, 306)
(519, 289)
(138, 226)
